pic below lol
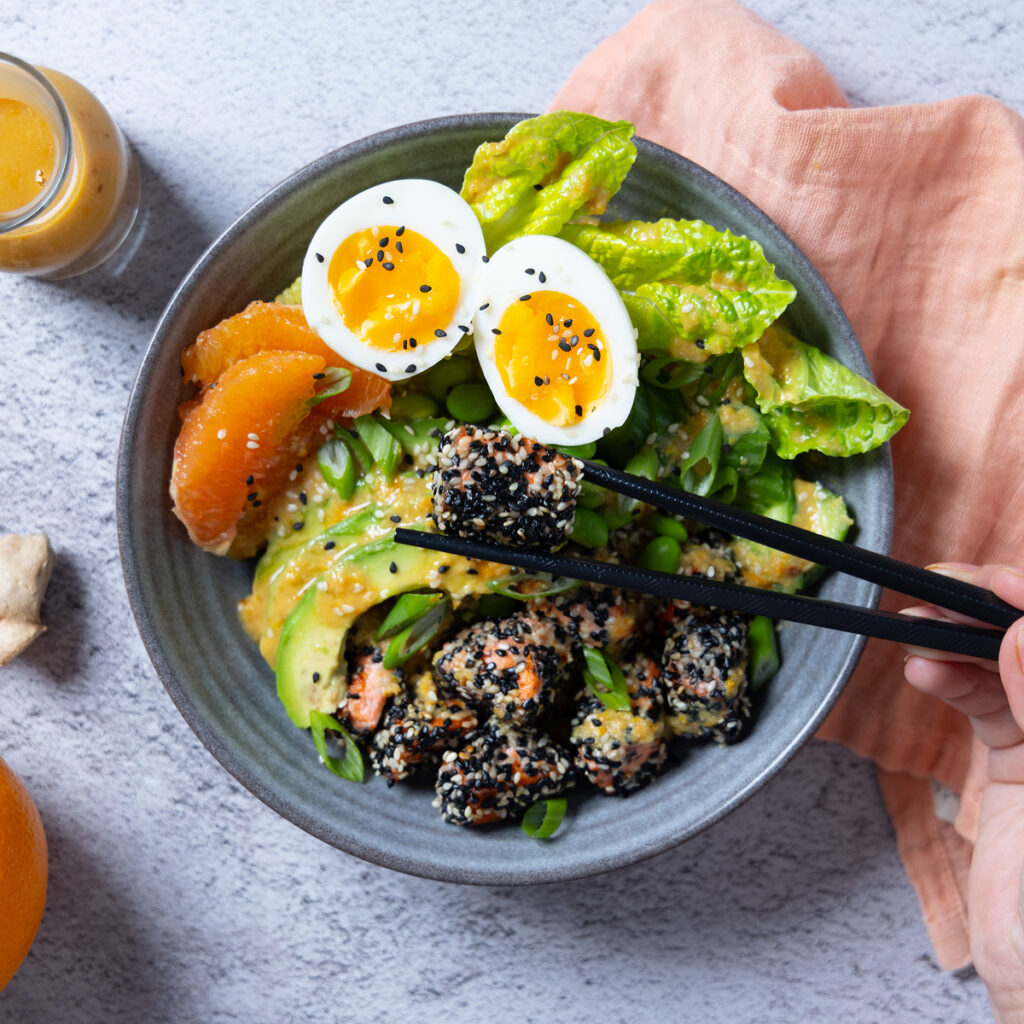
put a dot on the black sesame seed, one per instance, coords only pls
(565, 346)
(249, 479)
(319, 257)
(588, 332)
(424, 288)
(524, 298)
(388, 200)
(319, 376)
(472, 572)
(368, 263)
(380, 255)
(396, 519)
(413, 343)
(303, 498)
(383, 241)
(538, 381)
(699, 343)
(542, 277)
(253, 496)
(393, 568)
(389, 266)
(298, 526)
(257, 503)
(400, 231)
(530, 270)
(550, 319)
(443, 568)
(494, 330)
(567, 323)
(464, 328)
(579, 410)
(411, 368)
(381, 367)
(440, 334)
(484, 306)
(459, 247)
(316, 677)
(398, 246)
(329, 545)
(486, 259)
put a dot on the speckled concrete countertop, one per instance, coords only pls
(177, 896)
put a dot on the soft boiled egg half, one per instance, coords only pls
(390, 277)
(555, 342)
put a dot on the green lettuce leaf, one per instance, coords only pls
(690, 282)
(812, 402)
(547, 170)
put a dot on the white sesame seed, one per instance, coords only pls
(253, 437)
(221, 434)
(251, 444)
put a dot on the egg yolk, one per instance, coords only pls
(552, 357)
(393, 287)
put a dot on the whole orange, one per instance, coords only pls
(23, 872)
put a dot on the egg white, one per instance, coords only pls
(426, 207)
(544, 263)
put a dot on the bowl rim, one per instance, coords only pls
(821, 298)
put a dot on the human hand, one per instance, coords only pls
(992, 695)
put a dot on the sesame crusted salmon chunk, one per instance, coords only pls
(513, 666)
(618, 750)
(499, 773)
(416, 728)
(704, 673)
(491, 484)
(370, 687)
(595, 616)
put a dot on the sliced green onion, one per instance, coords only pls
(547, 586)
(383, 447)
(405, 611)
(706, 446)
(335, 380)
(764, 651)
(350, 764)
(542, 819)
(338, 467)
(356, 446)
(413, 638)
(605, 680)
(645, 463)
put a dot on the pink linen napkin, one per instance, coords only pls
(914, 215)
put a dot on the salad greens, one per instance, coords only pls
(546, 171)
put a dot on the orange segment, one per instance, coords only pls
(270, 326)
(241, 439)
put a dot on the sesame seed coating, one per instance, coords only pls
(417, 727)
(512, 666)
(704, 673)
(370, 686)
(499, 773)
(620, 751)
(596, 616)
(489, 483)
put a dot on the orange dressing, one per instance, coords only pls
(393, 287)
(95, 206)
(552, 357)
(27, 156)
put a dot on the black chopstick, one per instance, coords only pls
(891, 573)
(974, 641)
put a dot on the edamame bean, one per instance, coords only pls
(591, 495)
(662, 553)
(589, 529)
(667, 526)
(644, 464)
(447, 374)
(471, 403)
(413, 406)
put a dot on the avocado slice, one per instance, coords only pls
(817, 509)
(310, 663)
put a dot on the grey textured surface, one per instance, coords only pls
(177, 896)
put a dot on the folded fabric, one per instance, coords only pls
(914, 215)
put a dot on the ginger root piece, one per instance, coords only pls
(25, 566)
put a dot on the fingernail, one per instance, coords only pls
(1020, 651)
(1013, 571)
(957, 570)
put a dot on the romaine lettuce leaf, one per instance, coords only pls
(547, 170)
(810, 401)
(690, 282)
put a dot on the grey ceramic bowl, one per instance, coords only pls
(184, 600)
